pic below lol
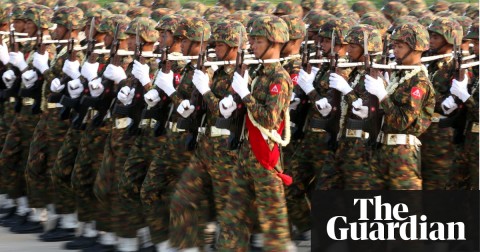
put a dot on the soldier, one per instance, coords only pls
(393, 10)
(257, 182)
(408, 103)
(288, 7)
(437, 143)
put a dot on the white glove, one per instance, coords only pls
(339, 83)
(305, 81)
(201, 80)
(114, 73)
(386, 75)
(185, 109)
(152, 97)
(40, 61)
(315, 70)
(9, 78)
(240, 84)
(141, 72)
(358, 108)
(72, 69)
(4, 57)
(375, 87)
(56, 86)
(227, 106)
(125, 95)
(164, 81)
(29, 78)
(449, 105)
(75, 88)
(294, 102)
(96, 88)
(459, 89)
(89, 70)
(17, 59)
(323, 107)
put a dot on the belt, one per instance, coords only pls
(317, 130)
(398, 139)
(474, 127)
(54, 105)
(121, 123)
(27, 101)
(12, 99)
(356, 134)
(173, 127)
(148, 123)
(215, 132)
(437, 117)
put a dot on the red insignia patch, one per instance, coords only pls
(275, 89)
(294, 78)
(416, 93)
(176, 79)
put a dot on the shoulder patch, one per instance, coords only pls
(294, 78)
(176, 78)
(416, 93)
(275, 89)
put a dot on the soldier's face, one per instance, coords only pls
(437, 43)
(400, 49)
(108, 40)
(221, 50)
(190, 48)
(30, 28)
(19, 25)
(131, 42)
(355, 52)
(326, 44)
(167, 36)
(259, 46)
(60, 32)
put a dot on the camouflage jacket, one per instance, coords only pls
(472, 102)
(220, 88)
(410, 108)
(441, 73)
(293, 66)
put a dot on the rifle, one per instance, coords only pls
(103, 102)
(58, 97)
(334, 121)
(14, 90)
(195, 120)
(35, 92)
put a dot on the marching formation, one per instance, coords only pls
(152, 126)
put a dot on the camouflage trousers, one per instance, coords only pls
(437, 156)
(6, 118)
(158, 187)
(396, 167)
(353, 161)
(115, 154)
(14, 155)
(464, 173)
(207, 178)
(254, 188)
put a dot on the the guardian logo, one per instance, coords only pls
(388, 223)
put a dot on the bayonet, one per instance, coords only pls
(307, 67)
(91, 39)
(201, 55)
(239, 66)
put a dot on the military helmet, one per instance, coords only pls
(379, 22)
(459, 8)
(394, 10)
(130, 3)
(335, 6)
(334, 25)
(67, 16)
(228, 4)
(145, 3)
(362, 7)
(309, 5)
(228, 32)
(464, 22)
(316, 18)
(415, 4)
(68, 3)
(187, 13)
(427, 20)
(181, 30)
(448, 28)
(200, 8)
(40, 15)
(243, 4)
(356, 36)
(439, 6)
(402, 20)
(420, 13)
(117, 8)
(171, 4)
(168, 22)
(88, 5)
(5, 12)
(296, 27)
(263, 6)
(157, 14)
(351, 15)
(215, 9)
(215, 17)
(18, 10)
(108, 25)
(472, 32)
(98, 13)
(288, 7)
(48, 3)
(472, 11)
(241, 16)
(195, 27)
(414, 35)
(446, 13)
(273, 28)
(146, 29)
(139, 11)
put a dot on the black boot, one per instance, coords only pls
(9, 210)
(100, 248)
(15, 220)
(151, 248)
(81, 242)
(58, 234)
(28, 227)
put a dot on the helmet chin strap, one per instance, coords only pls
(266, 49)
(400, 60)
(226, 53)
(283, 47)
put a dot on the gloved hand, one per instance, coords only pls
(305, 81)
(17, 59)
(339, 83)
(449, 105)
(152, 97)
(201, 80)
(125, 95)
(75, 88)
(375, 87)
(40, 61)
(459, 89)
(114, 73)
(240, 84)
(141, 72)
(294, 102)
(56, 86)
(89, 70)
(9, 78)
(323, 106)
(227, 106)
(29, 78)
(72, 69)
(164, 81)
(358, 108)
(315, 71)
(185, 109)
(4, 57)
(386, 75)
(96, 88)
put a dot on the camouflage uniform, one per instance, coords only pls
(309, 5)
(439, 6)
(437, 146)
(139, 11)
(408, 110)
(254, 183)
(265, 7)
(199, 7)
(157, 14)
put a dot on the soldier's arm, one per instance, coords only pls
(472, 106)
